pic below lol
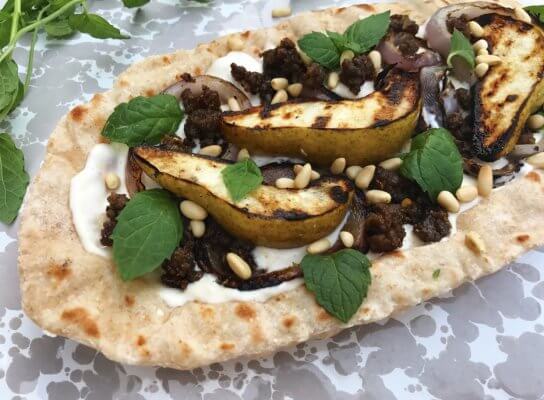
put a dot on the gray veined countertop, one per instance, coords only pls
(484, 342)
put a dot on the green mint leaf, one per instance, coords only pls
(241, 178)
(55, 5)
(460, 47)
(537, 12)
(13, 179)
(9, 81)
(436, 273)
(96, 26)
(342, 43)
(320, 48)
(148, 231)
(5, 28)
(135, 3)
(144, 120)
(434, 162)
(59, 28)
(339, 281)
(369, 31)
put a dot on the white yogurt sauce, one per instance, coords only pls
(343, 91)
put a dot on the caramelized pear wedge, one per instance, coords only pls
(268, 216)
(512, 90)
(365, 130)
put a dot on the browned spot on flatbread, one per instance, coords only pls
(323, 316)
(140, 341)
(78, 113)
(59, 271)
(256, 334)
(129, 300)
(123, 83)
(244, 311)
(245, 34)
(366, 7)
(522, 238)
(80, 317)
(198, 71)
(166, 60)
(97, 99)
(149, 92)
(397, 254)
(226, 346)
(533, 176)
(207, 312)
(288, 322)
(321, 122)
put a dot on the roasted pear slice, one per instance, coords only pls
(512, 90)
(268, 216)
(364, 131)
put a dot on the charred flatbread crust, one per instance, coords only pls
(72, 293)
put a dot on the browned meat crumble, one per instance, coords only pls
(203, 117)
(116, 203)
(355, 72)
(179, 270)
(403, 23)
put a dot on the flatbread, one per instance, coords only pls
(72, 293)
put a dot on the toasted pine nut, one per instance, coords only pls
(319, 247)
(338, 166)
(297, 168)
(482, 52)
(285, 183)
(112, 181)
(481, 69)
(243, 155)
(535, 122)
(346, 55)
(466, 194)
(376, 59)
(279, 83)
(448, 201)
(281, 12)
(406, 202)
(485, 180)
(198, 228)
(332, 80)
(279, 97)
(303, 177)
(234, 43)
(346, 238)
(233, 104)
(294, 89)
(239, 266)
(213, 151)
(474, 242)
(537, 160)
(522, 15)
(480, 44)
(365, 176)
(489, 59)
(392, 164)
(192, 210)
(315, 175)
(353, 171)
(378, 196)
(475, 29)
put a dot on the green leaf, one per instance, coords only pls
(55, 5)
(369, 31)
(5, 28)
(13, 179)
(340, 281)
(10, 87)
(434, 162)
(148, 230)
(536, 11)
(342, 43)
(241, 178)
(144, 120)
(59, 28)
(135, 3)
(320, 48)
(436, 273)
(96, 26)
(460, 47)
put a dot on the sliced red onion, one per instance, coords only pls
(392, 55)
(430, 78)
(133, 175)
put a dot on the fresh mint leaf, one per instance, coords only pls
(460, 47)
(369, 31)
(536, 11)
(144, 120)
(13, 179)
(320, 48)
(135, 3)
(59, 28)
(436, 273)
(342, 43)
(340, 281)
(96, 26)
(9, 81)
(241, 178)
(148, 231)
(5, 28)
(434, 162)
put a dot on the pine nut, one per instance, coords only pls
(474, 242)
(406, 202)
(485, 180)
(482, 52)
(305, 58)
(297, 168)
(285, 183)
(279, 83)
(378, 196)
(535, 122)
(243, 155)
(365, 176)
(239, 266)
(347, 238)
(213, 151)
(338, 166)
(319, 247)
(346, 55)
(315, 175)
(448, 201)
(234, 43)
(481, 69)
(480, 45)
(281, 12)
(489, 59)
(353, 171)
(537, 160)
(522, 15)
(303, 178)
(233, 104)
(112, 181)
(332, 80)
(466, 194)
(392, 164)
(198, 228)
(192, 210)
(475, 29)
(279, 97)
(376, 59)
(294, 89)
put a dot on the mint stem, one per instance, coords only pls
(31, 51)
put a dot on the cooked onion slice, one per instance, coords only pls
(430, 78)
(392, 55)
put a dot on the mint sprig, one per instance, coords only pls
(460, 46)
(13, 179)
(536, 11)
(242, 178)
